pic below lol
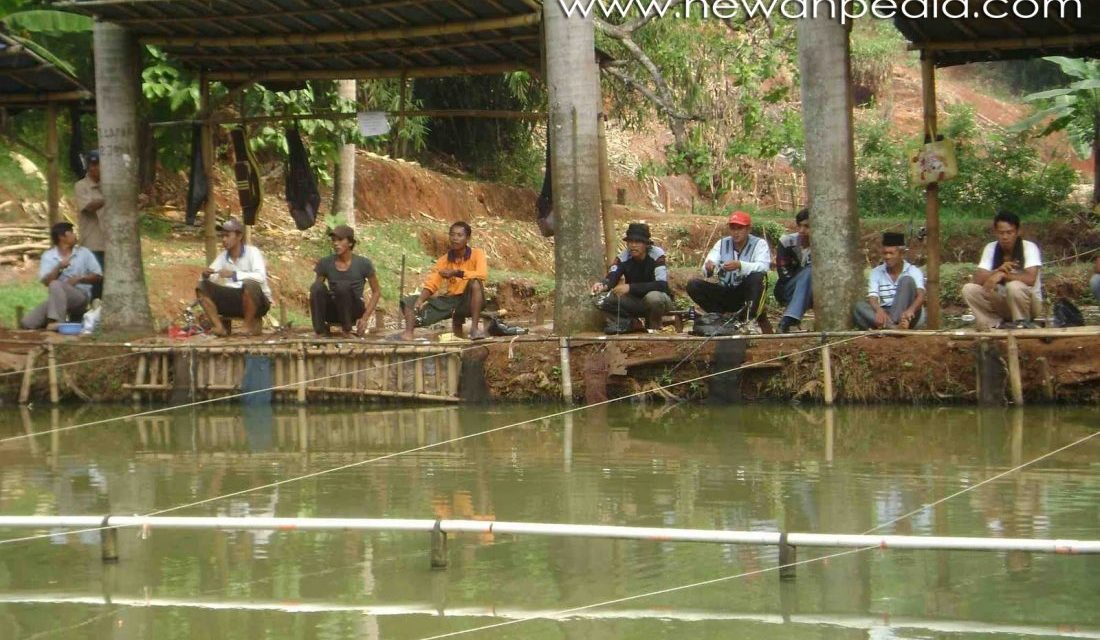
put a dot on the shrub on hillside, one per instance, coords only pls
(996, 170)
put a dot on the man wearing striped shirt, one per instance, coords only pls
(740, 262)
(895, 291)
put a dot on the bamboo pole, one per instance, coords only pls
(28, 376)
(454, 362)
(418, 383)
(53, 176)
(931, 194)
(396, 146)
(302, 376)
(827, 373)
(207, 143)
(1014, 379)
(45, 98)
(566, 372)
(343, 37)
(1047, 378)
(1009, 44)
(51, 359)
(449, 71)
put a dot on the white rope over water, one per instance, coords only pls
(395, 454)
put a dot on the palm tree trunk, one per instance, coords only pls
(117, 76)
(573, 80)
(1095, 160)
(344, 196)
(825, 65)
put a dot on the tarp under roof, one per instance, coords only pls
(954, 41)
(28, 79)
(318, 39)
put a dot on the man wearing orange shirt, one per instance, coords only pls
(461, 275)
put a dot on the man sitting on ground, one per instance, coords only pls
(341, 300)
(895, 291)
(643, 291)
(1006, 291)
(235, 284)
(465, 270)
(741, 262)
(68, 271)
(792, 262)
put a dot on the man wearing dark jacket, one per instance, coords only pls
(637, 281)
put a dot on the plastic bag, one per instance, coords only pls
(91, 317)
(933, 163)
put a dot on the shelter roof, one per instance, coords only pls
(983, 37)
(318, 39)
(28, 79)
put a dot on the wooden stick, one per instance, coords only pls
(1048, 380)
(566, 372)
(418, 382)
(28, 375)
(302, 376)
(340, 37)
(827, 374)
(55, 392)
(371, 73)
(1014, 380)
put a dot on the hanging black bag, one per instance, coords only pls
(1066, 314)
(197, 186)
(76, 145)
(301, 188)
(248, 177)
(545, 202)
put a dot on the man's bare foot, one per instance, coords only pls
(904, 324)
(477, 334)
(407, 335)
(219, 331)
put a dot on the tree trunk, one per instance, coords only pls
(1095, 160)
(573, 81)
(343, 198)
(824, 63)
(117, 71)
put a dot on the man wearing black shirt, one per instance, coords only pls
(643, 292)
(341, 301)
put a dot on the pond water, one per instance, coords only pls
(745, 468)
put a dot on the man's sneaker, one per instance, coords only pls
(1025, 324)
(786, 323)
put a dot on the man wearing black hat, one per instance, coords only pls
(235, 284)
(89, 204)
(895, 291)
(643, 292)
(341, 300)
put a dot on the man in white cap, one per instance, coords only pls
(235, 284)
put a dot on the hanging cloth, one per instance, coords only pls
(76, 145)
(198, 188)
(301, 187)
(247, 174)
(545, 202)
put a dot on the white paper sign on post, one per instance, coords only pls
(373, 123)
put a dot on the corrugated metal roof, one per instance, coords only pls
(27, 79)
(982, 37)
(301, 39)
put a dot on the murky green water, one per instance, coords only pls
(742, 468)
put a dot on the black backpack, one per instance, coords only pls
(1066, 314)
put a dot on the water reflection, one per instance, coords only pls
(766, 468)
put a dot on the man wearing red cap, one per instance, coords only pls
(740, 262)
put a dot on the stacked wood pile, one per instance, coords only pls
(21, 244)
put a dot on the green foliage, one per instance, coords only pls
(333, 220)
(1074, 108)
(19, 294)
(997, 170)
(875, 46)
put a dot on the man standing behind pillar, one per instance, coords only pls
(89, 204)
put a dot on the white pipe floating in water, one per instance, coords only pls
(659, 534)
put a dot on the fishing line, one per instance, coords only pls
(563, 612)
(59, 365)
(395, 454)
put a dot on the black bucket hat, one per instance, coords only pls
(893, 239)
(639, 232)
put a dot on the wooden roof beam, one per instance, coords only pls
(370, 74)
(320, 55)
(313, 11)
(1010, 44)
(399, 33)
(42, 98)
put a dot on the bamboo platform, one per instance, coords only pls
(299, 372)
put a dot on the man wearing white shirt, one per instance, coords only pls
(895, 291)
(235, 284)
(69, 271)
(1006, 291)
(740, 262)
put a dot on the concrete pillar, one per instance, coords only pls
(118, 89)
(572, 79)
